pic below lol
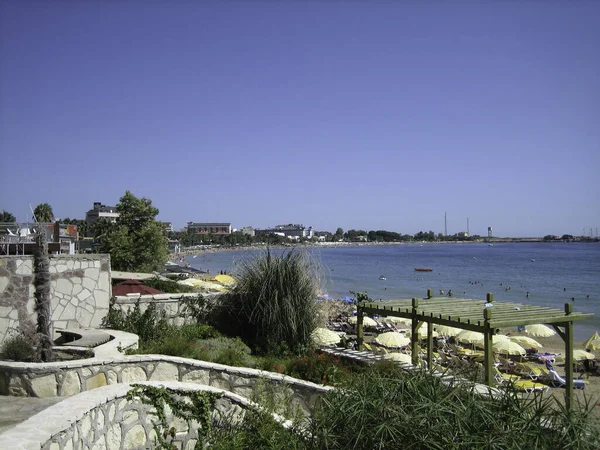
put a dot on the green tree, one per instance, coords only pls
(339, 234)
(137, 242)
(43, 213)
(5, 216)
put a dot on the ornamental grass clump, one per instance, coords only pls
(272, 306)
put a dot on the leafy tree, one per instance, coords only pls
(567, 237)
(339, 234)
(43, 213)
(137, 242)
(549, 237)
(5, 216)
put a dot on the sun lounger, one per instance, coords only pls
(502, 378)
(559, 381)
(528, 386)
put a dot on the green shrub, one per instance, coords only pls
(149, 325)
(169, 286)
(319, 368)
(272, 306)
(20, 348)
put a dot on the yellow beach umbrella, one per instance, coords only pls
(539, 330)
(508, 347)
(401, 357)
(589, 342)
(392, 339)
(580, 355)
(224, 279)
(324, 336)
(526, 340)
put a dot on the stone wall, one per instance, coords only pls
(174, 306)
(80, 291)
(105, 419)
(72, 377)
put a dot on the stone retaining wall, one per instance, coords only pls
(174, 306)
(72, 377)
(105, 419)
(80, 292)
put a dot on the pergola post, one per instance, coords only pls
(429, 293)
(568, 338)
(359, 327)
(429, 346)
(414, 336)
(487, 347)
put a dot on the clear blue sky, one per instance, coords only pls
(365, 115)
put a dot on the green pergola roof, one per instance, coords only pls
(468, 314)
(484, 316)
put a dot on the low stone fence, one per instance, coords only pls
(175, 306)
(105, 419)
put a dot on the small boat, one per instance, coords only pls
(532, 260)
(423, 269)
(382, 277)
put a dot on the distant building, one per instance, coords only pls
(462, 234)
(100, 211)
(248, 231)
(209, 228)
(168, 227)
(290, 231)
(20, 238)
(489, 232)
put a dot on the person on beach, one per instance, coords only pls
(450, 293)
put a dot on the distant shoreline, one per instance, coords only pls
(199, 251)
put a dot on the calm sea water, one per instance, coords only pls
(553, 273)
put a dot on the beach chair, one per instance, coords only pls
(502, 378)
(367, 347)
(530, 371)
(557, 381)
(529, 386)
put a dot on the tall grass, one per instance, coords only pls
(385, 408)
(272, 306)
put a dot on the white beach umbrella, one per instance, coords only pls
(539, 330)
(580, 355)
(526, 340)
(392, 339)
(446, 330)
(470, 337)
(422, 332)
(400, 320)
(593, 342)
(401, 357)
(367, 321)
(508, 347)
(324, 336)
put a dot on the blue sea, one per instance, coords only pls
(552, 273)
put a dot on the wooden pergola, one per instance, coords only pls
(484, 316)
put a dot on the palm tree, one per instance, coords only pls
(43, 213)
(5, 216)
(41, 282)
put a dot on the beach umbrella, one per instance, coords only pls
(539, 330)
(526, 340)
(508, 347)
(225, 280)
(392, 339)
(422, 332)
(446, 330)
(324, 336)
(593, 345)
(367, 321)
(401, 357)
(134, 287)
(589, 342)
(470, 337)
(580, 355)
(400, 320)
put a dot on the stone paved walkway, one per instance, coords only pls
(14, 410)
